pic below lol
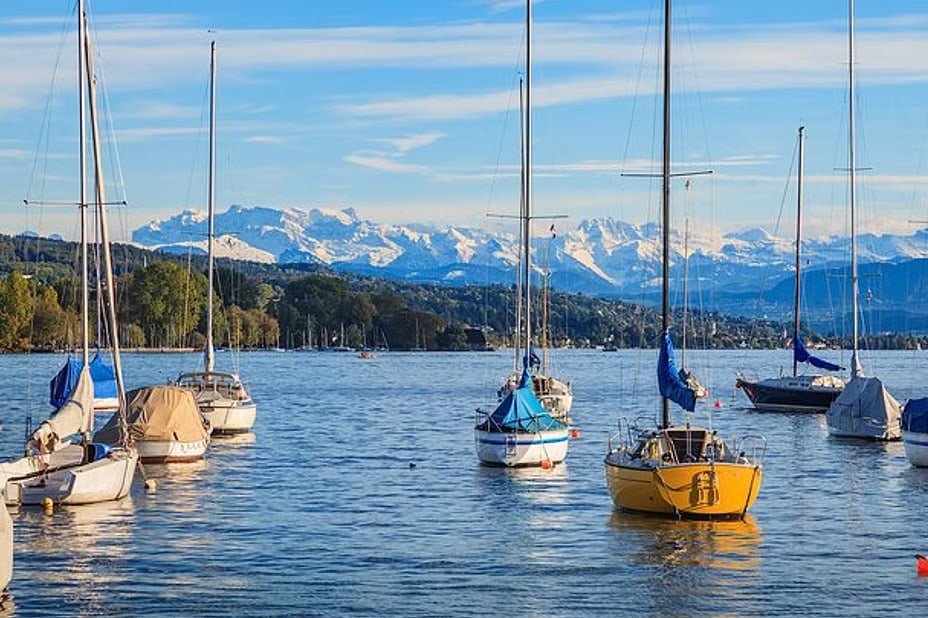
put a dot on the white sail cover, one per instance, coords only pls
(75, 416)
(865, 409)
(6, 548)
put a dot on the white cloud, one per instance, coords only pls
(385, 164)
(263, 139)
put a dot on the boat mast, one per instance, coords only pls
(856, 369)
(796, 291)
(527, 209)
(104, 230)
(517, 344)
(210, 355)
(665, 256)
(82, 156)
(686, 264)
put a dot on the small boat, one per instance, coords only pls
(163, 423)
(221, 396)
(864, 409)
(796, 393)
(83, 471)
(915, 431)
(681, 470)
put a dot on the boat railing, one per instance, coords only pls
(627, 433)
(752, 447)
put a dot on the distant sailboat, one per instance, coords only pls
(520, 431)
(681, 470)
(221, 396)
(796, 393)
(864, 409)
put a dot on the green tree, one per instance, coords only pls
(167, 302)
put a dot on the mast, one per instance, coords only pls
(82, 156)
(517, 344)
(796, 291)
(856, 369)
(527, 208)
(665, 255)
(104, 231)
(210, 355)
(686, 265)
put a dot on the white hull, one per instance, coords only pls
(109, 478)
(169, 451)
(916, 448)
(522, 449)
(228, 416)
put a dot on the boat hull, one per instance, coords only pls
(698, 489)
(916, 448)
(170, 451)
(522, 449)
(228, 416)
(108, 478)
(788, 396)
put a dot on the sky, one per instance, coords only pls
(407, 111)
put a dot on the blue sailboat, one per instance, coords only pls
(797, 392)
(520, 431)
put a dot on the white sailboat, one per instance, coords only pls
(80, 472)
(221, 396)
(864, 409)
(520, 431)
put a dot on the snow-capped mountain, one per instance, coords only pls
(600, 256)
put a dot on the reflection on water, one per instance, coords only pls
(322, 514)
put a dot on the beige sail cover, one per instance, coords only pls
(156, 413)
(75, 416)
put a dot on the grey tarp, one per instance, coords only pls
(865, 409)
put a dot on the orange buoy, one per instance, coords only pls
(575, 434)
(921, 565)
(718, 403)
(546, 464)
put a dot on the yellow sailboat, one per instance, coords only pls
(681, 470)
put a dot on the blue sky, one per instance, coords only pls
(407, 111)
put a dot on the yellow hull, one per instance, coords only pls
(685, 489)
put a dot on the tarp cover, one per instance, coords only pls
(915, 415)
(76, 415)
(104, 380)
(156, 413)
(671, 384)
(521, 411)
(801, 354)
(865, 409)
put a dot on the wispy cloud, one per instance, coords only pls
(386, 164)
(263, 139)
(403, 145)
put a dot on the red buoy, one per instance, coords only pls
(718, 403)
(546, 464)
(921, 566)
(575, 434)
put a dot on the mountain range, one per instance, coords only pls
(601, 256)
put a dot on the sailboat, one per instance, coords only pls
(681, 470)
(82, 471)
(221, 396)
(796, 393)
(520, 431)
(864, 409)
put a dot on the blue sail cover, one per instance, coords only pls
(801, 354)
(521, 411)
(102, 374)
(915, 415)
(668, 377)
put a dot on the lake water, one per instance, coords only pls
(320, 511)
